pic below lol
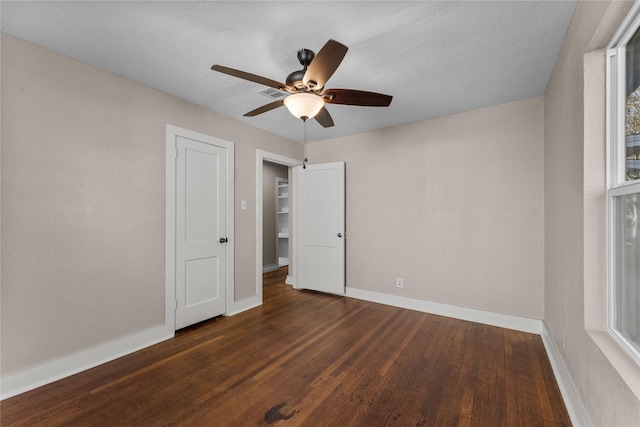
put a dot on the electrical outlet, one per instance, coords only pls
(399, 282)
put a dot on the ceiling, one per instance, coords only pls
(435, 57)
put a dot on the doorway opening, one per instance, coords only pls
(266, 165)
(276, 217)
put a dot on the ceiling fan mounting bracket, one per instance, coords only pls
(305, 56)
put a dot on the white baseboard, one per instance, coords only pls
(23, 381)
(269, 268)
(570, 396)
(289, 280)
(508, 321)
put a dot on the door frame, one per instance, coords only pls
(172, 133)
(261, 157)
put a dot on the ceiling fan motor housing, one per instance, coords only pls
(305, 56)
(295, 79)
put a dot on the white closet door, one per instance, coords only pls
(201, 248)
(320, 202)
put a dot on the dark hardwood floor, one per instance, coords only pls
(309, 359)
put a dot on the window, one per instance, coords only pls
(623, 75)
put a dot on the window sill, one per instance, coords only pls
(626, 367)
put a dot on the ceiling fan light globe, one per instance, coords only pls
(304, 104)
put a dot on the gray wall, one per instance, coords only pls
(83, 203)
(575, 206)
(454, 206)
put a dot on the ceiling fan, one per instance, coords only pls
(306, 97)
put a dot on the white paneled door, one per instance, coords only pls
(320, 200)
(201, 231)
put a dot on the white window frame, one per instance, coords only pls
(616, 165)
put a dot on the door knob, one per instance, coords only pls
(223, 240)
(339, 234)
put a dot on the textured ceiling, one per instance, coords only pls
(434, 57)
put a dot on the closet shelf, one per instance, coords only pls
(282, 221)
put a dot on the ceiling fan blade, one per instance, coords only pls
(265, 108)
(324, 64)
(251, 77)
(356, 97)
(324, 118)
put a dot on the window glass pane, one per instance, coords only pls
(632, 110)
(627, 289)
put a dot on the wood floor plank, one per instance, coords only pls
(310, 359)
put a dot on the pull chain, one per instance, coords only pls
(304, 163)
